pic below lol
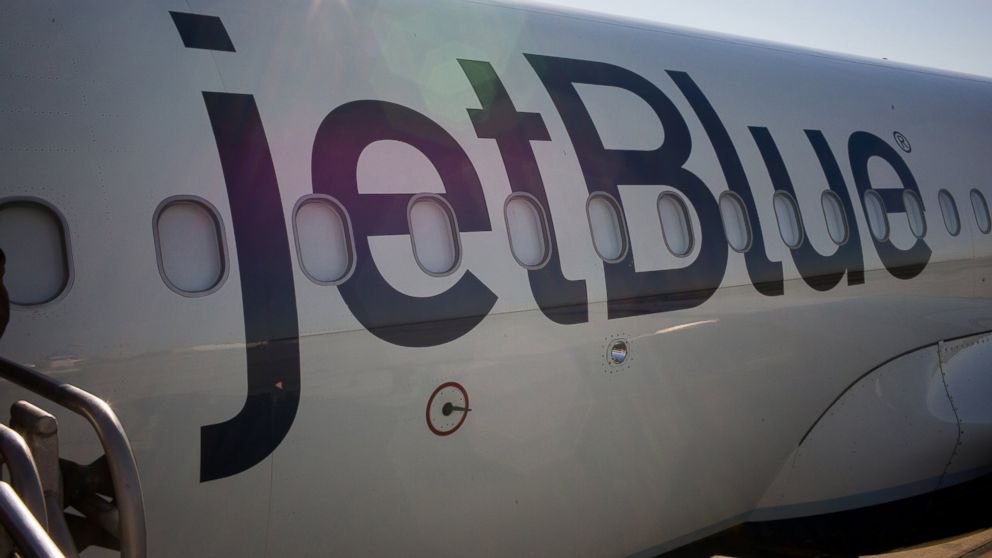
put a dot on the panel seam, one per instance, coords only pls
(954, 409)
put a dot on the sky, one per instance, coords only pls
(951, 35)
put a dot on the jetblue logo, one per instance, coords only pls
(271, 329)
(394, 316)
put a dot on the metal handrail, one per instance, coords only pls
(23, 472)
(23, 527)
(120, 458)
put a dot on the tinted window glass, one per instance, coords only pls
(836, 219)
(878, 219)
(735, 223)
(190, 246)
(434, 235)
(914, 213)
(607, 229)
(527, 230)
(33, 238)
(323, 240)
(790, 224)
(675, 224)
(949, 210)
(981, 208)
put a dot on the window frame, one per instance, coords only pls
(545, 228)
(747, 221)
(843, 213)
(621, 223)
(871, 192)
(452, 222)
(985, 205)
(70, 278)
(907, 193)
(349, 231)
(799, 219)
(684, 207)
(221, 244)
(943, 214)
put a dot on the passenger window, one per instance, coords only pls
(324, 242)
(189, 242)
(33, 237)
(835, 217)
(878, 218)
(606, 225)
(434, 234)
(914, 213)
(949, 209)
(790, 224)
(676, 228)
(735, 223)
(981, 208)
(527, 230)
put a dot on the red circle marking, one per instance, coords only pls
(430, 401)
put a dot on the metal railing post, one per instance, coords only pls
(120, 458)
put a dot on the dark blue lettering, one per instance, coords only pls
(389, 314)
(766, 275)
(861, 147)
(268, 294)
(563, 301)
(820, 272)
(633, 293)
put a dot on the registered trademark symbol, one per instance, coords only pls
(902, 141)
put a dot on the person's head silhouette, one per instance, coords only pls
(4, 299)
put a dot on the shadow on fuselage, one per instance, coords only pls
(943, 514)
(4, 298)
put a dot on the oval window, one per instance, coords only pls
(878, 218)
(981, 208)
(914, 213)
(190, 246)
(835, 217)
(323, 239)
(606, 225)
(790, 225)
(735, 223)
(949, 210)
(675, 225)
(33, 238)
(526, 227)
(434, 235)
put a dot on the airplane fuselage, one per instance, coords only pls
(685, 281)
